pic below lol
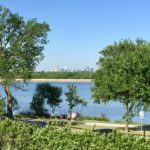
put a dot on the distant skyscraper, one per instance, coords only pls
(66, 68)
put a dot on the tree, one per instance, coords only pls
(73, 98)
(54, 100)
(37, 105)
(21, 46)
(123, 75)
(15, 105)
(46, 93)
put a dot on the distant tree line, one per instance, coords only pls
(62, 75)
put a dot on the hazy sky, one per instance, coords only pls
(81, 28)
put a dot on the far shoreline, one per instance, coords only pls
(57, 80)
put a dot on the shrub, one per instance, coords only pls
(19, 135)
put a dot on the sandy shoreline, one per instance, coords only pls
(57, 80)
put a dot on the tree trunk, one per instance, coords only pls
(9, 101)
(126, 117)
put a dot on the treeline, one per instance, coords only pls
(62, 75)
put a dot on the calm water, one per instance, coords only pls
(113, 110)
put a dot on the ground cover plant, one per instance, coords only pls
(19, 135)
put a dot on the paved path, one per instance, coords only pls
(96, 124)
(111, 125)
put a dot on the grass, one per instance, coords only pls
(78, 125)
(102, 117)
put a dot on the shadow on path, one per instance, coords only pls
(40, 124)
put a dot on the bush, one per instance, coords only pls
(18, 135)
(45, 93)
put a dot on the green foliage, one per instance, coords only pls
(21, 46)
(15, 134)
(73, 98)
(15, 105)
(18, 135)
(46, 93)
(25, 114)
(62, 75)
(102, 117)
(37, 105)
(123, 75)
(2, 106)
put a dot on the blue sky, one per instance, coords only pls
(81, 28)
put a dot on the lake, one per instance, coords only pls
(113, 110)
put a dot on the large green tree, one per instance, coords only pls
(123, 75)
(21, 46)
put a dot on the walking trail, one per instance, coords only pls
(111, 125)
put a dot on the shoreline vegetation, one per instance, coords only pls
(63, 75)
(70, 77)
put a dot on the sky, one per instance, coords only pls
(82, 28)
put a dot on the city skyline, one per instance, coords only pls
(80, 29)
(67, 69)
